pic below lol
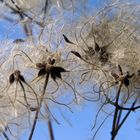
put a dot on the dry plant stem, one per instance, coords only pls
(25, 98)
(121, 107)
(50, 129)
(45, 10)
(126, 116)
(25, 25)
(5, 135)
(37, 112)
(119, 116)
(113, 133)
(49, 123)
(23, 13)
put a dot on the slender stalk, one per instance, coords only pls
(113, 133)
(126, 116)
(24, 94)
(50, 129)
(37, 112)
(119, 116)
(49, 123)
(5, 135)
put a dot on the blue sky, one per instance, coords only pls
(82, 121)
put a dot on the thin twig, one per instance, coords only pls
(101, 125)
(126, 116)
(116, 113)
(50, 129)
(38, 110)
(5, 135)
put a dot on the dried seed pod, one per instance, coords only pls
(104, 57)
(126, 82)
(55, 75)
(56, 72)
(11, 78)
(42, 72)
(16, 74)
(19, 40)
(67, 40)
(33, 109)
(130, 76)
(97, 48)
(51, 61)
(120, 69)
(59, 69)
(103, 50)
(48, 68)
(21, 78)
(76, 53)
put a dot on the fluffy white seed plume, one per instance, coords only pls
(108, 41)
(22, 85)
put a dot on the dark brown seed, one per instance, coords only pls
(103, 50)
(11, 78)
(21, 78)
(130, 76)
(104, 57)
(42, 72)
(56, 72)
(76, 53)
(19, 40)
(97, 48)
(33, 109)
(59, 69)
(126, 82)
(67, 40)
(56, 75)
(51, 61)
(120, 69)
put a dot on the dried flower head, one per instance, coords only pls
(108, 40)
